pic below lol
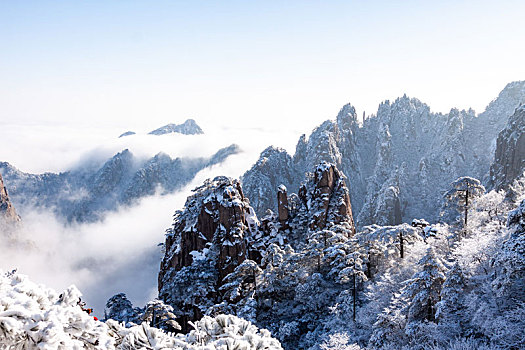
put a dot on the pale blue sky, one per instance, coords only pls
(140, 64)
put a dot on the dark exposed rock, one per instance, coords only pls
(282, 204)
(509, 158)
(332, 141)
(7, 210)
(217, 230)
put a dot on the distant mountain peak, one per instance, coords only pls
(127, 133)
(189, 127)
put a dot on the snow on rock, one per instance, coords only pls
(328, 197)
(189, 127)
(127, 133)
(274, 168)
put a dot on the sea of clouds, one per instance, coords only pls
(119, 253)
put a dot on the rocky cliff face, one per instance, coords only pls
(86, 195)
(333, 142)
(9, 220)
(274, 168)
(209, 235)
(509, 158)
(8, 214)
(399, 161)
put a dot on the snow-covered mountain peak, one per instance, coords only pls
(189, 127)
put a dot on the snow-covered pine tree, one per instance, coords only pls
(424, 289)
(510, 264)
(160, 315)
(462, 195)
(120, 309)
(239, 291)
(450, 309)
(354, 274)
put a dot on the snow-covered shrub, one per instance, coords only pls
(35, 317)
(229, 332)
(32, 316)
(120, 309)
(339, 341)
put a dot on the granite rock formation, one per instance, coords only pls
(274, 168)
(209, 235)
(509, 158)
(327, 198)
(217, 231)
(8, 213)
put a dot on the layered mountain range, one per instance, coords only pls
(399, 161)
(86, 194)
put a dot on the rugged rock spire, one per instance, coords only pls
(209, 236)
(274, 168)
(282, 204)
(329, 201)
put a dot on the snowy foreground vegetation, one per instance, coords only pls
(35, 317)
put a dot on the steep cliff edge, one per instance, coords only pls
(509, 158)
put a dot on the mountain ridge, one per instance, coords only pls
(404, 143)
(85, 195)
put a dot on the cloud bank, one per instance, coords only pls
(120, 253)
